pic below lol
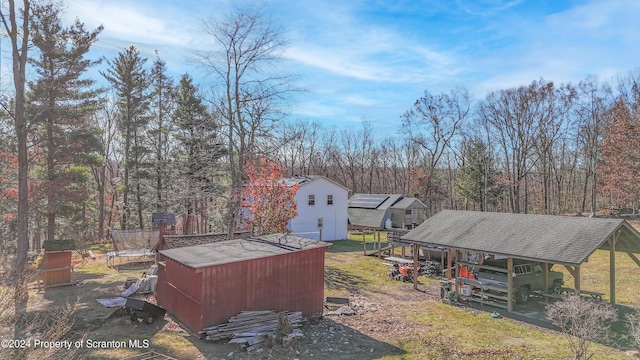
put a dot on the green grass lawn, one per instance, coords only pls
(594, 276)
(459, 332)
(422, 326)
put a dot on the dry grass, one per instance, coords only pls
(456, 332)
(407, 324)
(594, 276)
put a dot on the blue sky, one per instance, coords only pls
(370, 60)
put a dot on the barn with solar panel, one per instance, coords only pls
(377, 211)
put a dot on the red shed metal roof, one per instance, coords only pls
(230, 251)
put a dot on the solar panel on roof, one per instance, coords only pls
(367, 201)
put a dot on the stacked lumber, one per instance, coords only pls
(250, 328)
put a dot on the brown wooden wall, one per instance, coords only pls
(177, 286)
(293, 282)
(57, 268)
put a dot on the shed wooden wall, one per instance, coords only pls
(57, 268)
(209, 296)
(179, 291)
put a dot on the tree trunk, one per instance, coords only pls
(594, 191)
(19, 38)
(139, 201)
(114, 198)
(101, 194)
(125, 199)
(584, 191)
(51, 205)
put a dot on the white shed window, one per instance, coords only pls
(312, 199)
(329, 199)
(319, 223)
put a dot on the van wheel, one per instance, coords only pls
(556, 287)
(522, 294)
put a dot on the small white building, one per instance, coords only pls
(321, 204)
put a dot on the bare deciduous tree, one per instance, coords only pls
(18, 31)
(105, 170)
(433, 123)
(633, 322)
(52, 325)
(517, 118)
(581, 321)
(251, 91)
(592, 110)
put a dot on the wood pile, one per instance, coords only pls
(251, 328)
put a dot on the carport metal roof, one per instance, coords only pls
(554, 239)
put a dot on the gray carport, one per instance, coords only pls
(564, 240)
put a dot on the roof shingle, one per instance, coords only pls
(555, 239)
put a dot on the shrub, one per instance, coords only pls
(581, 321)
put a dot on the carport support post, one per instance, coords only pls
(545, 279)
(449, 256)
(458, 272)
(509, 284)
(416, 253)
(612, 268)
(364, 246)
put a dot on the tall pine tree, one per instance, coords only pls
(131, 83)
(200, 149)
(162, 105)
(60, 102)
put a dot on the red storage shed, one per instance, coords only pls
(205, 285)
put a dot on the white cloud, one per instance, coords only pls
(134, 21)
(377, 56)
(361, 100)
(339, 38)
(593, 38)
(366, 59)
(485, 7)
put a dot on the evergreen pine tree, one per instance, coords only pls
(60, 102)
(131, 83)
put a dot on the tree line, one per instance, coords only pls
(540, 148)
(85, 158)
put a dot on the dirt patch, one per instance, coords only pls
(360, 336)
(384, 324)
